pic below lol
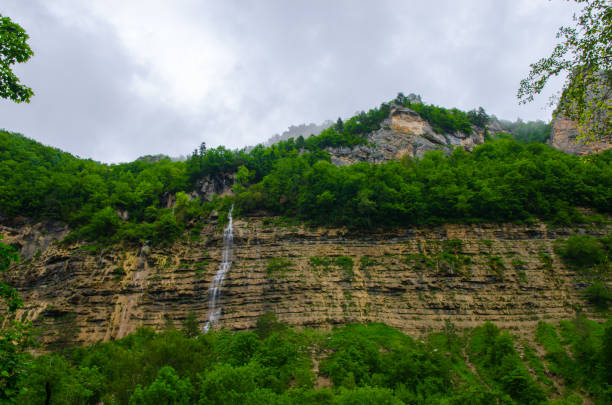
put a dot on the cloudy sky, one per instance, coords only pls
(118, 79)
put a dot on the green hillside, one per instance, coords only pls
(500, 181)
(365, 364)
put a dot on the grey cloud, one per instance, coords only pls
(296, 62)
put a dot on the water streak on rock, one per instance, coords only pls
(214, 291)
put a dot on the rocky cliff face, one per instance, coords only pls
(413, 279)
(565, 137)
(404, 133)
(209, 186)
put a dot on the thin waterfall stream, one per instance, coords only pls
(214, 291)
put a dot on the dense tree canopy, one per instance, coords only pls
(15, 336)
(527, 132)
(500, 181)
(360, 364)
(44, 183)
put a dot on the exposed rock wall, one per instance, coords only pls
(219, 184)
(404, 133)
(413, 279)
(565, 137)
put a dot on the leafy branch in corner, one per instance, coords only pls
(13, 49)
(585, 55)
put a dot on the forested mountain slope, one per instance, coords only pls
(155, 200)
(437, 224)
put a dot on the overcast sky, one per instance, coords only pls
(118, 79)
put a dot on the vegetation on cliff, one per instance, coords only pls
(500, 181)
(591, 258)
(355, 364)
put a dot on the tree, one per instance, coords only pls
(400, 99)
(339, 125)
(191, 326)
(167, 389)
(585, 55)
(13, 49)
(15, 336)
(8, 293)
(478, 117)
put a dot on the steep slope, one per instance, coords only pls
(143, 243)
(411, 278)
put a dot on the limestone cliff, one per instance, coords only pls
(565, 137)
(404, 133)
(411, 278)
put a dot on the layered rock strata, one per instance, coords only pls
(412, 279)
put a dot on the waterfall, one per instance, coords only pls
(214, 291)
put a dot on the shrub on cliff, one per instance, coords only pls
(590, 256)
(582, 251)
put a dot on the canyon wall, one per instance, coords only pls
(412, 279)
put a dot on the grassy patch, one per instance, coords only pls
(343, 263)
(444, 257)
(496, 265)
(546, 262)
(366, 262)
(318, 263)
(487, 242)
(278, 267)
(346, 264)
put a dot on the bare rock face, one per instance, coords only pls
(564, 136)
(508, 274)
(220, 184)
(404, 133)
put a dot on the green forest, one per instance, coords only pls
(358, 364)
(504, 180)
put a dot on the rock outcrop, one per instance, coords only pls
(209, 186)
(404, 133)
(565, 137)
(411, 278)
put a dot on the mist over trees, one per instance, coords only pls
(295, 131)
(524, 131)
